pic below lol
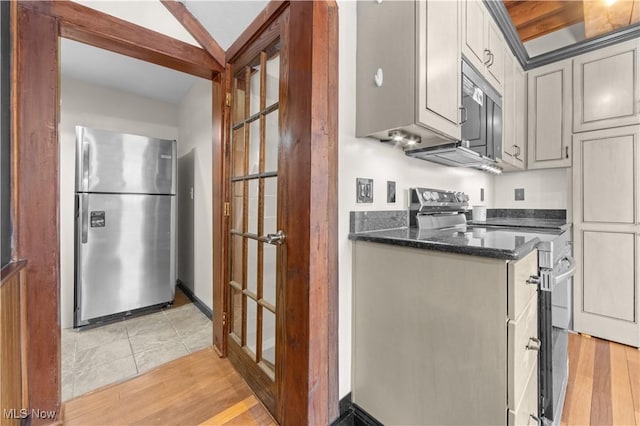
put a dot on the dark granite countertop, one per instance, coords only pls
(527, 222)
(498, 242)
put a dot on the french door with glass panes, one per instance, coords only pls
(255, 245)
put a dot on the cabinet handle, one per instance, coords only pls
(517, 151)
(534, 280)
(492, 58)
(566, 152)
(534, 418)
(378, 77)
(463, 110)
(536, 344)
(487, 53)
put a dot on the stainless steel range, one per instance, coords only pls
(434, 210)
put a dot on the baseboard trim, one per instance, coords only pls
(199, 303)
(353, 415)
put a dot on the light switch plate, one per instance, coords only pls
(519, 194)
(391, 191)
(364, 190)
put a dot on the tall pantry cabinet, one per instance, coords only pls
(606, 194)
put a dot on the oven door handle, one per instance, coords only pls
(569, 273)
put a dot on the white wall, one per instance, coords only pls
(150, 14)
(543, 189)
(369, 158)
(104, 108)
(195, 131)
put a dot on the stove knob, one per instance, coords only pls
(426, 195)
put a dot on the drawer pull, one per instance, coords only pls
(536, 344)
(534, 280)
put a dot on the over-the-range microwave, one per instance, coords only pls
(481, 128)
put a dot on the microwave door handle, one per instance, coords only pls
(569, 273)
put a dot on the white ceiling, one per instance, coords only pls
(224, 19)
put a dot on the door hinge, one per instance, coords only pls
(224, 318)
(226, 209)
(227, 99)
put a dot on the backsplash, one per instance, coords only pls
(375, 220)
(524, 213)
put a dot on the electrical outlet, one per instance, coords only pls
(391, 191)
(364, 190)
(519, 194)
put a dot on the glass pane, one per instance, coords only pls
(268, 337)
(255, 90)
(252, 209)
(252, 324)
(237, 206)
(269, 274)
(254, 147)
(236, 313)
(270, 205)
(237, 142)
(252, 265)
(273, 79)
(271, 142)
(236, 259)
(238, 100)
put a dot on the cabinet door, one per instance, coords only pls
(549, 124)
(496, 64)
(606, 85)
(509, 113)
(520, 114)
(605, 188)
(473, 33)
(439, 67)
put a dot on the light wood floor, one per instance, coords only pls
(198, 389)
(604, 383)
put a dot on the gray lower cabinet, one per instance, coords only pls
(606, 87)
(408, 70)
(442, 338)
(549, 116)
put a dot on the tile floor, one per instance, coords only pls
(100, 356)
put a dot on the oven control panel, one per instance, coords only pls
(434, 200)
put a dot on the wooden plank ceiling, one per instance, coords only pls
(534, 18)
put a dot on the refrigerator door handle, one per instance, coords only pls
(84, 218)
(85, 165)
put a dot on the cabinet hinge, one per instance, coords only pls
(226, 209)
(227, 99)
(224, 318)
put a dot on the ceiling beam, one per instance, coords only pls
(86, 25)
(196, 29)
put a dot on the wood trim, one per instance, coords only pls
(35, 137)
(307, 368)
(196, 29)
(271, 12)
(86, 25)
(220, 222)
(10, 270)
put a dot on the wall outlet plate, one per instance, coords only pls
(391, 191)
(364, 190)
(519, 194)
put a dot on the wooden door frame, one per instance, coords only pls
(311, 384)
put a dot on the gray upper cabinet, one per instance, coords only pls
(408, 70)
(549, 116)
(482, 43)
(606, 86)
(514, 113)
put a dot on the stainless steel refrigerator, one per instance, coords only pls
(125, 224)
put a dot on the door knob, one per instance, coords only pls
(275, 239)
